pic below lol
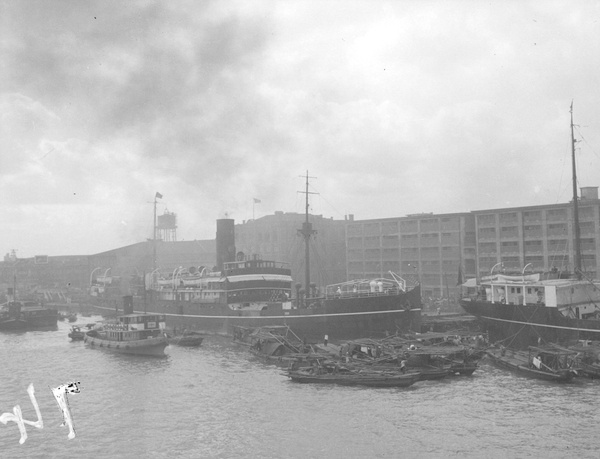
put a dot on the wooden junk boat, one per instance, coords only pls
(186, 338)
(275, 344)
(587, 355)
(432, 361)
(140, 334)
(549, 364)
(332, 373)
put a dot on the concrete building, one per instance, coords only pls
(426, 246)
(539, 237)
(275, 237)
(45, 278)
(53, 278)
(434, 246)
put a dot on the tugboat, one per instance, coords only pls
(139, 334)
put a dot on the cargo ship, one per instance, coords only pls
(247, 291)
(252, 292)
(526, 309)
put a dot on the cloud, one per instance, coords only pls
(396, 108)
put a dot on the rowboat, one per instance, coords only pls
(76, 334)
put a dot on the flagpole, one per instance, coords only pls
(154, 237)
(157, 195)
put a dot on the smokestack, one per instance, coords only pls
(127, 304)
(225, 241)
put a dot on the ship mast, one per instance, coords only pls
(306, 232)
(577, 261)
(155, 232)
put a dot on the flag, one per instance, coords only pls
(256, 201)
(460, 280)
(158, 195)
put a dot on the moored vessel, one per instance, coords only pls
(258, 293)
(333, 373)
(248, 291)
(538, 363)
(526, 309)
(18, 315)
(139, 334)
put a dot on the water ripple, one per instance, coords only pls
(218, 401)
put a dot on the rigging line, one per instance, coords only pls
(556, 256)
(585, 140)
(511, 337)
(565, 158)
(527, 320)
(330, 204)
(520, 331)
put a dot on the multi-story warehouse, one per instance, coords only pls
(539, 237)
(434, 246)
(431, 247)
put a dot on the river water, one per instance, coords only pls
(218, 401)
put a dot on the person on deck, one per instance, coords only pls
(403, 366)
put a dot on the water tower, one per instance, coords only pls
(167, 226)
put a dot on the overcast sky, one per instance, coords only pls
(396, 107)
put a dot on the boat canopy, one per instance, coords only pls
(470, 283)
(503, 278)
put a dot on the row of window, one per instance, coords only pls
(585, 213)
(404, 226)
(552, 229)
(553, 245)
(413, 240)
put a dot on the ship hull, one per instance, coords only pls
(524, 325)
(148, 347)
(27, 320)
(13, 324)
(42, 321)
(346, 318)
(357, 379)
